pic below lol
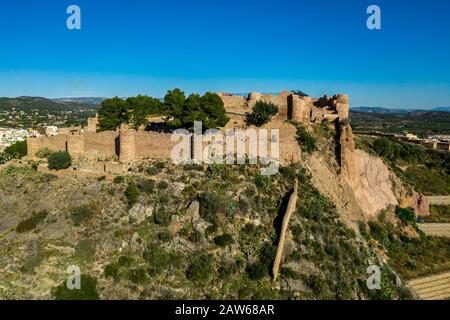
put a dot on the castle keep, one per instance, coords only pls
(126, 145)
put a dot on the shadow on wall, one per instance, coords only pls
(117, 145)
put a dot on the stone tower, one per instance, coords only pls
(92, 124)
(342, 106)
(127, 145)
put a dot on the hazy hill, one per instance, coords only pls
(82, 100)
(420, 122)
(397, 110)
(28, 103)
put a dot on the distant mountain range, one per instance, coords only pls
(28, 103)
(397, 110)
(84, 100)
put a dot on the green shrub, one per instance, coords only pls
(201, 269)
(132, 193)
(406, 215)
(32, 222)
(228, 269)
(125, 261)
(33, 260)
(85, 250)
(81, 213)
(262, 182)
(317, 284)
(17, 150)
(233, 207)
(210, 205)
(216, 171)
(146, 186)
(112, 271)
(223, 240)
(261, 113)
(195, 236)
(138, 276)
(153, 170)
(165, 236)
(306, 141)
(261, 269)
(256, 271)
(118, 179)
(162, 217)
(210, 230)
(4, 158)
(88, 290)
(43, 153)
(59, 160)
(158, 259)
(251, 239)
(162, 185)
(289, 273)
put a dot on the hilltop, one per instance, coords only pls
(141, 227)
(28, 103)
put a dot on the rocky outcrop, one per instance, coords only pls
(372, 185)
(367, 176)
(349, 168)
(419, 203)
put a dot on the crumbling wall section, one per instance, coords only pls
(53, 143)
(104, 144)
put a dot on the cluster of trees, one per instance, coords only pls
(179, 111)
(182, 111)
(134, 110)
(17, 150)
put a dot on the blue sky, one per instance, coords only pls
(133, 47)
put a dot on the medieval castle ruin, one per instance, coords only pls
(113, 149)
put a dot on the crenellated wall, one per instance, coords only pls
(53, 143)
(130, 145)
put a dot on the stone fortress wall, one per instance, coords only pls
(128, 145)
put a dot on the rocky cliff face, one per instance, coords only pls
(374, 186)
(418, 202)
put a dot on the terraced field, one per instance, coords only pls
(436, 287)
(436, 229)
(439, 200)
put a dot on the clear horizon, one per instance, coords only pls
(125, 49)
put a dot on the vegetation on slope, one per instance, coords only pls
(226, 251)
(428, 171)
(439, 214)
(411, 253)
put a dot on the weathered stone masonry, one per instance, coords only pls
(130, 145)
